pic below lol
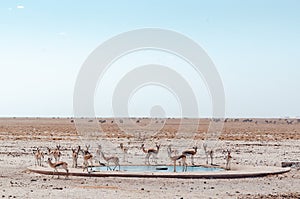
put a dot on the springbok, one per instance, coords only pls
(38, 155)
(87, 156)
(75, 153)
(208, 152)
(125, 152)
(108, 159)
(177, 157)
(228, 160)
(190, 152)
(150, 152)
(58, 165)
(55, 153)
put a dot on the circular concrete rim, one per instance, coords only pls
(242, 172)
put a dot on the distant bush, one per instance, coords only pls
(289, 122)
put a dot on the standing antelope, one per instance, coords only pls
(39, 155)
(87, 156)
(228, 160)
(98, 153)
(55, 153)
(177, 157)
(75, 153)
(208, 152)
(113, 159)
(125, 152)
(190, 152)
(58, 165)
(150, 152)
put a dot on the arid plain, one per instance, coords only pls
(261, 142)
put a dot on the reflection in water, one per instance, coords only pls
(160, 169)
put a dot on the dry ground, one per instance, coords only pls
(256, 142)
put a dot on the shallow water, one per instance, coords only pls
(159, 169)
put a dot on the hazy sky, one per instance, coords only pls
(255, 46)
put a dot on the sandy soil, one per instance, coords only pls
(256, 142)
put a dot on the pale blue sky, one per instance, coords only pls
(255, 46)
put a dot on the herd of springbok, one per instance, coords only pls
(88, 157)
